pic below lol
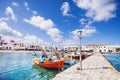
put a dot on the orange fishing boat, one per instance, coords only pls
(51, 64)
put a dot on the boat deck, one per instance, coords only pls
(95, 67)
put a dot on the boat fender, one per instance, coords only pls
(46, 60)
(36, 60)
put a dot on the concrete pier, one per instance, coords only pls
(95, 67)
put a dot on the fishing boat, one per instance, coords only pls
(78, 56)
(50, 64)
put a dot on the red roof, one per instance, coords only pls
(95, 45)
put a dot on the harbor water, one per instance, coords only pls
(114, 59)
(19, 66)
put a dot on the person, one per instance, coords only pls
(55, 57)
(44, 54)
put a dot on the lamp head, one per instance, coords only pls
(79, 34)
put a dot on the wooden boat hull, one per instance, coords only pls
(78, 57)
(53, 65)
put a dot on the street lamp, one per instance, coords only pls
(80, 37)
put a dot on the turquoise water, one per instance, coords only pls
(114, 59)
(19, 66)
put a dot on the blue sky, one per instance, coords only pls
(57, 21)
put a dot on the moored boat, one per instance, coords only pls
(50, 64)
(78, 56)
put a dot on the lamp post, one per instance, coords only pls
(80, 37)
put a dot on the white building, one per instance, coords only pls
(95, 48)
(101, 48)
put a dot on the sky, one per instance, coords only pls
(58, 21)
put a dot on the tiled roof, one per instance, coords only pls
(95, 45)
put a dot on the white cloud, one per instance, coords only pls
(4, 18)
(9, 11)
(8, 34)
(27, 6)
(29, 39)
(65, 8)
(86, 22)
(46, 25)
(34, 12)
(86, 32)
(70, 42)
(55, 34)
(7, 31)
(15, 4)
(83, 21)
(40, 22)
(97, 10)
